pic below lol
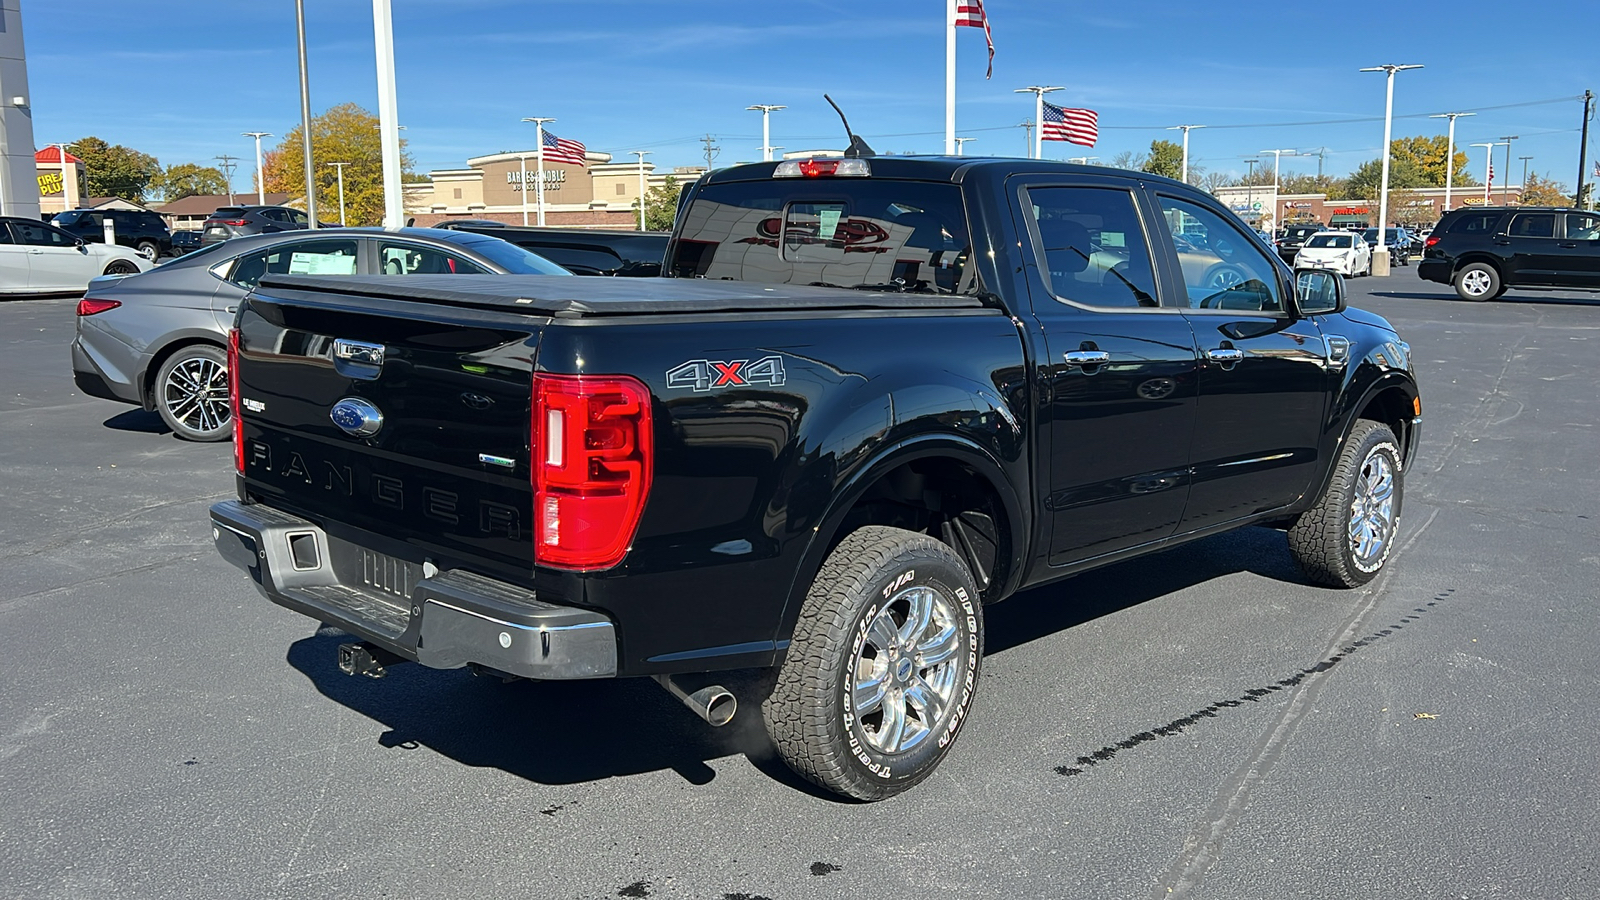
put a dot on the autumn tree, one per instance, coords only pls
(188, 180)
(1365, 181)
(1165, 158)
(1292, 183)
(660, 205)
(1544, 192)
(344, 133)
(112, 170)
(1425, 155)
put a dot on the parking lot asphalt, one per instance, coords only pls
(1201, 723)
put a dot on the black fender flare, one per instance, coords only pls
(938, 444)
(1350, 415)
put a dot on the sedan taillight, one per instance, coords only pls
(592, 453)
(89, 306)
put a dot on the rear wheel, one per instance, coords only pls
(1478, 281)
(1347, 537)
(121, 267)
(883, 665)
(191, 393)
(149, 250)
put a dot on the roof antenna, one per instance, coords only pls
(858, 147)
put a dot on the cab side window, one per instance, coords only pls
(1534, 225)
(1092, 246)
(1221, 267)
(320, 257)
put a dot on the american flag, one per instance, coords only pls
(1078, 126)
(970, 12)
(561, 150)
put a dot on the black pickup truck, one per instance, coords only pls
(583, 251)
(872, 397)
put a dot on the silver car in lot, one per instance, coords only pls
(159, 339)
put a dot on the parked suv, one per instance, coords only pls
(232, 221)
(1484, 252)
(1398, 240)
(137, 228)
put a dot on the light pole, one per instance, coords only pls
(1277, 157)
(305, 116)
(1027, 136)
(961, 142)
(1488, 167)
(1524, 174)
(1505, 187)
(1038, 114)
(642, 154)
(261, 178)
(766, 131)
(1450, 154)
(394, 211)
(1185, 129)
(1250, 189)
(538, 123)
(340, 167)
(1380, 259)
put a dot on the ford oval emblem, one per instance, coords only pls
(357, 417)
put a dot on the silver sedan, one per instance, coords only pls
(158, 340)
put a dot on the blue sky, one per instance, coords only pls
(182, 80)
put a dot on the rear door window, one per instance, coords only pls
(1540, 225)
(397, 258)
(41, 235)
(869, 234)
(315, 257)
(1475, 223)
(1092, 246)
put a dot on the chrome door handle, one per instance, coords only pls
(1225, 355)
(1087, 357)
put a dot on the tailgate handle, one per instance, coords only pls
(359, 352)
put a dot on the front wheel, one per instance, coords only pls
(1347, 537)
(191, 393)
(883, 665)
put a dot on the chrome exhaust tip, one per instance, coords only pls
(714, 703)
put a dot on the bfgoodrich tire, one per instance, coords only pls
(1478, 281)
(191, 393)
(1347, 537)
(882, 668)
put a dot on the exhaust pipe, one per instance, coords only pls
(714, 703)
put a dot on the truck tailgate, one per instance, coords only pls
(393, 417)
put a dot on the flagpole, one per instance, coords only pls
(524, 187)
(1038, 134)
(950, 78)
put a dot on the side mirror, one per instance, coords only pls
(1318, 291)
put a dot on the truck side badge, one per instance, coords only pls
(702, 375)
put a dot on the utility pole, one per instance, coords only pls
(1380, 264)
(642, 154)
(227, 164)
(1583, 147)
(1524, 172)
(305, 116)
(1038, 92)
(261, 178)
(766, 131)
(962, 142)
(1505, 187)
(340, 167)
(710, 152)
(1450, 154)
(1185, 129)
(1027, 128)
(538, 127)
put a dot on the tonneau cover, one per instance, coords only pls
(584, 297)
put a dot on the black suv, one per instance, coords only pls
(1485, 251)
(140, 229)
(233, 221)
(1293, 238)
(1399, 241)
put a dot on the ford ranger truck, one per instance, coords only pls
(870, 398)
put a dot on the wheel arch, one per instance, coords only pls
(178, 341)
(1479, 256)
(1391, 399)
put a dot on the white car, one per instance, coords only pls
(1341, 251)
(36, 258)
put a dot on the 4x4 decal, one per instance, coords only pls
(705, 374)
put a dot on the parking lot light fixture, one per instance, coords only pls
(305, 115)
(1185, 129)
(1038, 93)
(766, 131)
(1450, 153)
(961, 142)
(1488, 166)
(538, 125)
(642, 154)
(1277, 158)
(1380, 259)
(261, 178)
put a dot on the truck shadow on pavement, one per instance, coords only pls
(573, 732)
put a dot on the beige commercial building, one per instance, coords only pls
(600, 194)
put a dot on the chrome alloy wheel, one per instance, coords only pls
(196, 394)
(1477, 283)
(1372, 511)
(907, 671)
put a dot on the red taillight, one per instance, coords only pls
(233, 400)
(237, 223)
(88, 306)
(1432, 239)
(591, 465)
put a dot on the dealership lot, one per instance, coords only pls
(1197, 724)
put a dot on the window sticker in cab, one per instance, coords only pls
(702, 375)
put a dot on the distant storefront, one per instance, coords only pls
(1263, 207)
(503, 186)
